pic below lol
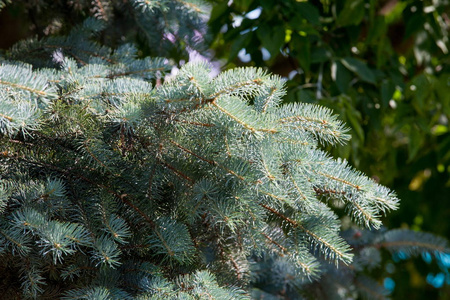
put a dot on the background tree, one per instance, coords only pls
(383, 66)
(110, 191)
(157, 28)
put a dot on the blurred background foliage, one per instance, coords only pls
(158, 28)
(384, 67)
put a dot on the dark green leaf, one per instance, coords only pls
(218, 11)
(309, 12)
(240, 43)
(377, 30)
(319, 55)
(414, 24)
(267, 4)
(352, 13)
(387, 90)
(419, 89)
(242, 5)
(360, 68)
(272, 38)
(355, 122)
(302, 47)
(341, 76)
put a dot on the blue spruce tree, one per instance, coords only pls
(119, 182)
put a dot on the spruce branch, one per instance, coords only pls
(317, 120)
(173, 247)
(333, 252)
(411, 242)
(129, 190)
(370, 288)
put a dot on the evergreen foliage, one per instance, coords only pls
(114, 186)
(160, 28)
